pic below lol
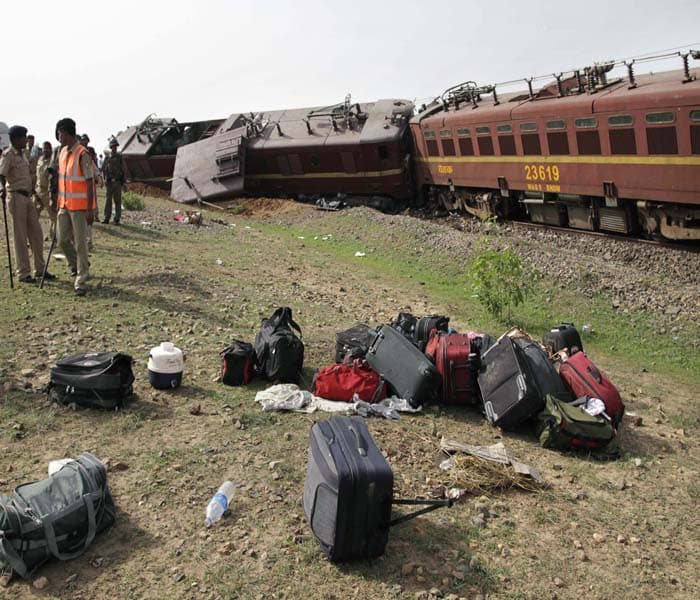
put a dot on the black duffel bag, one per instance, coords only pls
(279, 350)
(353, 343)
(56, 517)
(94, 379)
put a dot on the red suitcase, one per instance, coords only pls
(458, 366)
(585, 379)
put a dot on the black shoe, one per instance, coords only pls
(49, 276)
(28, 279)
(105, 222)
(116, 222)
(80, 291)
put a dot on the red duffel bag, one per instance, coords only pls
(341, 382)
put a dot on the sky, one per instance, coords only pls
(110, 64)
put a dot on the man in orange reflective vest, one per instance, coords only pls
(76, 202)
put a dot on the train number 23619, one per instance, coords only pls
(541, 172)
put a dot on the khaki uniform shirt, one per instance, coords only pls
(42, 174)
(33, 161)
(15, 167)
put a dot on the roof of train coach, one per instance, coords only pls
(380, 121)
(663, 90)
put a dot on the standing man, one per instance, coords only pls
(76, 202)
(113, 172)
(33, 159)
(16, 186)
(42, 193)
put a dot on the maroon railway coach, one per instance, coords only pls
(149, 148)
(351, 148)
(618, 155)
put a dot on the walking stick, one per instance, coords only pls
(48, 258)
(7, 239)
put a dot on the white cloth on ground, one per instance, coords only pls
(288, 396)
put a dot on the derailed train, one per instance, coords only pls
(587, 151)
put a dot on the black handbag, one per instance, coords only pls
(92, 379)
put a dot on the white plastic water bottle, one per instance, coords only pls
(219, 503)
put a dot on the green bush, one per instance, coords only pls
(499, 280)
(133, 201)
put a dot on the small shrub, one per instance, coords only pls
(132, 201)
(499, 280)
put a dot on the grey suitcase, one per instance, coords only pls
(348, 491)
(508, 388)
(409, 372)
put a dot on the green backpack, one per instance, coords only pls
(562, 426)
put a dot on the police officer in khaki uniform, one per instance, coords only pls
(42, 193)
(16, 186)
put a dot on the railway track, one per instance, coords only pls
(686, 247)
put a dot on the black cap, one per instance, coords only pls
(17, 131)
(66, 124)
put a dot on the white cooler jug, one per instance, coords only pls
(165, 366)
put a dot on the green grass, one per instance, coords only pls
(630, 336)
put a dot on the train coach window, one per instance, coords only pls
(485, 146)
(559, 124)
(695, 139)
(526, 127)
(622, 141)
(660, 117)
(466, 147)
(695, 116)
(588, 142)
(445, 133)
(506, 144)
(587, 123)
(620, 120)
(558, 143)
(464, 132)
(432, 147)
(428, 134)
(531, 144)
(504, 128)
(448, 147)
(662, 140)
(382, 152)
(483, 130)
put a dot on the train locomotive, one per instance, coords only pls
(587, 150)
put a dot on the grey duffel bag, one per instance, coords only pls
(56, 517)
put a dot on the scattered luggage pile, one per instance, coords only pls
(514, 380)
(348, 493)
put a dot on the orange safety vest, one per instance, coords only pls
(72, 184)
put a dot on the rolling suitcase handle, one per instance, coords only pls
(431, 505)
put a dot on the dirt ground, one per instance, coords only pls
(602, 529)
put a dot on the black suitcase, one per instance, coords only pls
(425, 325)
(353, 342)
(349, 489)
(508, 389)
(563, 337)
(543, 372)
(409, 372)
